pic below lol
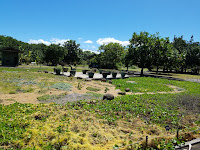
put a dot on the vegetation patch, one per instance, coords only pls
(142, 84)
(62, 86)
(95, 95)
(93, 89)
(50, 97)
(97, 123)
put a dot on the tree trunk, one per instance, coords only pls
(164, 69)
(182, 69)
(142, 73)
(70, 66)
(157, 70)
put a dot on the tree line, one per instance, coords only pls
(145, 51)
(69, 53)
(152, 51)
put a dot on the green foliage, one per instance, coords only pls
(93, 89)
(15, 84)
(86, 57)
(54, 54)
(106, 90)
(95, 95)
(153, 108)
(62, 86)
(142, 84)
(73, 55)
(112, 55)
(50, 97)
(12, 92)
(145, 50)
(21, 123)
(12, 122)
(140, 49)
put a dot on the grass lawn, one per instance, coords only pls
(176, 75)
(98, 124)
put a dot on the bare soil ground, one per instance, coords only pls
(7, 99)
(78, 92)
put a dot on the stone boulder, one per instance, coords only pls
(108, 97)
(127, 89)
(110, 81)
(103, 80)
(122, 93)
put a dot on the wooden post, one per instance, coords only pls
(177, 132)
(146, 141)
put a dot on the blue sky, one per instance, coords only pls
(94, 22)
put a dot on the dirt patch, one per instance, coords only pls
(79, 91)
(78, 87)
(70, 98)
(131, 82)
(175, 90)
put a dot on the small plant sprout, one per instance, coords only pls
(106, 90)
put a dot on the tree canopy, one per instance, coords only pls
(140, 50)
(145, 51)
(73, 53)
(112, 55)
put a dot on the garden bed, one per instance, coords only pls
(85, 121)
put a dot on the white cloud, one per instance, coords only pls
(59, 41)
(52, 41)
(40, 41)
(88, 41)
(96, 52)
(106, 41)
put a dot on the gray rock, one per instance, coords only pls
(88, 79)
(103, 80)
(108, 97)
(122, 93)
(127, 90)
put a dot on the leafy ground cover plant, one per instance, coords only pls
(42, 126)
(93, 89)
(97, 124)
(148, 84)
(49, 97)
(95, 95)
(62, 86)
(141, 84)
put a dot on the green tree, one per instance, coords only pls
(86, 57)
(73, 53)
(140, 50)
(127, 59)
(161, 52)
(193, 56)
(54, 54)
(112, 55)
(182, 47)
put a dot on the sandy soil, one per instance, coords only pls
(7, 99)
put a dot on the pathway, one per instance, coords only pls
(97, 76)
